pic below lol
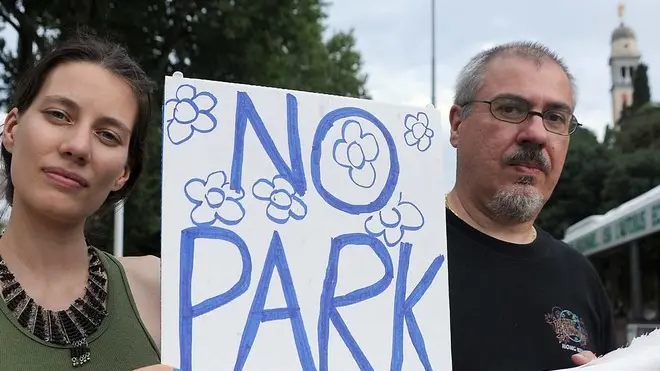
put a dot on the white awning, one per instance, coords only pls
(629, 221)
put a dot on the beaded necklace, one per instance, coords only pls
(70, 327)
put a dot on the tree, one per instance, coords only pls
(630, 175)
(578, 192)
(610, 135)
(635, 167)
(640, 129)
(641, 89)
(272, 43)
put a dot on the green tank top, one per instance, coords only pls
(122, 343)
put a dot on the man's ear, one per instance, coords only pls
(9, 130)
(121, 181)
(454, 125)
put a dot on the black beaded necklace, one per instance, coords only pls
(70, 327)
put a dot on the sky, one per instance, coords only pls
(394, 38)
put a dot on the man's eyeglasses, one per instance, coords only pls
(515, 111)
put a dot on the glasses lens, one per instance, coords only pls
(558, 121)
(509, 109)
(574, 124)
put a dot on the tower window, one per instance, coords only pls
(632, 71)
(623, 72)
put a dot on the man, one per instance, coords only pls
(520, 299)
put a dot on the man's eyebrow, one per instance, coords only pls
(510, 96)
(554, 105)
(559, 106)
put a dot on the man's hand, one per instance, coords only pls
(583, 358)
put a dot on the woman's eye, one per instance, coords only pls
(58, 115)
(109, 136)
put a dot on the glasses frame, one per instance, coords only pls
(573, 125)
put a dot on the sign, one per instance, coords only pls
(301, 231)
(639, 223)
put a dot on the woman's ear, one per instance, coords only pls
(9, 128)
(121, 181)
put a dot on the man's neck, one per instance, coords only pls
(468, 210)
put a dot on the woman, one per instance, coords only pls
(72, 145)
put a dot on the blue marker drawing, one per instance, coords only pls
(394, 220)
(188, 311)
(325, 125)
(403, 308)
(214, 200)
(357, 151)
(246, 113)
(189, 112)
(330, 302)
(419, 133)
(283, 202)
(275, 259)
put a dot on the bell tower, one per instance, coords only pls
(624, 59)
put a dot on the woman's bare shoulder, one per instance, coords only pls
(143, 273)
(145, 269)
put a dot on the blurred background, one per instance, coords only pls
(607, 203)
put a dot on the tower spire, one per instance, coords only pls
(621, 8)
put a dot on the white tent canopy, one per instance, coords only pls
(629, 221)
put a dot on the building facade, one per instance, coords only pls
(624, 59)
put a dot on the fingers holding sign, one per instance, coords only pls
(583, 358)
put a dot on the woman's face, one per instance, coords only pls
(70, 147)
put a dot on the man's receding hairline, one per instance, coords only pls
(518, 54)
(471, 77)
(539, 61)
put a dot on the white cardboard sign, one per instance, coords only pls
(301, 231)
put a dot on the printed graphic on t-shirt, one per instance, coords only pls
(569, 329)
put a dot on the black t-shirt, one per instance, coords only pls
(522, 307)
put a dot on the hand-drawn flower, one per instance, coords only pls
(357, 152)
(283, 202)
(419, 133)
(189, 112)
(393, 220)
(214, 200)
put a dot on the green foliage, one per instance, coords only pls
(578, 192)
(639, 129)
(641, 89)
(600, 176)
(630, 175)
(272, 43)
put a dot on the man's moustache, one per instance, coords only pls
(528, 156)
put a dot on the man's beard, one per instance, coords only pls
(515, 204)
(521, 202)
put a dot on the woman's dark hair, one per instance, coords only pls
(86, 47)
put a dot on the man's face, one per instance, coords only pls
(513, 168)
